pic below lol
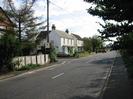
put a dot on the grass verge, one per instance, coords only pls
(84, 54)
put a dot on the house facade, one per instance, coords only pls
(78, 43)
(5, 22)
(62, 41)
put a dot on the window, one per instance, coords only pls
(63, 40)
(67, 41)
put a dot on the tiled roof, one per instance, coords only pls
(77, 36)
(63, 34)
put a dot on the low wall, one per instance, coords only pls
(35, 59)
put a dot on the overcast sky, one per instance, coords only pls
(69, 14)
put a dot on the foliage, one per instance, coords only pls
(53, 54)
(26, 24)
(92, 44)
(84, 54)
(127, 43)
(70, 51)
(76, 54)
(8, 49)
(27, 47)
(87, 44)
(96, 43)
(23, 18)
(120, 11)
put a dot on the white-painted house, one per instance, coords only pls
(61, 40)
(78, 43)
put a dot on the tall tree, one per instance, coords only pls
(87, 44)
(26, 23)
(92, 44)
(119, 11)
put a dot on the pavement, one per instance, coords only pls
(119, 86)
(94, 77)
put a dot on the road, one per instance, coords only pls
(74, 79)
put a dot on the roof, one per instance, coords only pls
(40, 36)
(77, 36)
(63, 34)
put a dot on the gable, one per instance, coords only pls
(5, 22)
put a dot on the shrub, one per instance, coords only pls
(8, 49)
(53, 55)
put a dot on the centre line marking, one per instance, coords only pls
(58, 75)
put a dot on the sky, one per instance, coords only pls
(68, 14)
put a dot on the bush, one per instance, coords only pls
(53, 55)
(8, 49)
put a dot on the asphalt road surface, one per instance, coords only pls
(74, 79)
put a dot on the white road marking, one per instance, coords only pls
(34, 71)
(58, 75)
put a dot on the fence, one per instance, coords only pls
(36, 59)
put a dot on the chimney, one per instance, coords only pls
(53, 27)
(67, 31)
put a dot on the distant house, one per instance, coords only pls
(63, 41)
(78, 43)
(5, 22)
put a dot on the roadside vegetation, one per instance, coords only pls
(8, 49)
(84, 54)
(17, 41)
(28, 67)
(93, 44)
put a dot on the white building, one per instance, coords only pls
(63, 41)
(78, 43)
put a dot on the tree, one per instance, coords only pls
(92, 44)
(118, 10)
(118, 18)
(96, 43)
(87, 44)
(26, 24)
(8, 49)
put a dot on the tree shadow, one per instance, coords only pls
(82, 97)
(104, 61)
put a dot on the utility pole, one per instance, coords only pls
(47, 20)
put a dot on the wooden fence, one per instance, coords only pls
(35, 59)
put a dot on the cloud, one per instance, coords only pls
(71, 14)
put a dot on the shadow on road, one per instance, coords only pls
(104, 61)
(82, 97)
